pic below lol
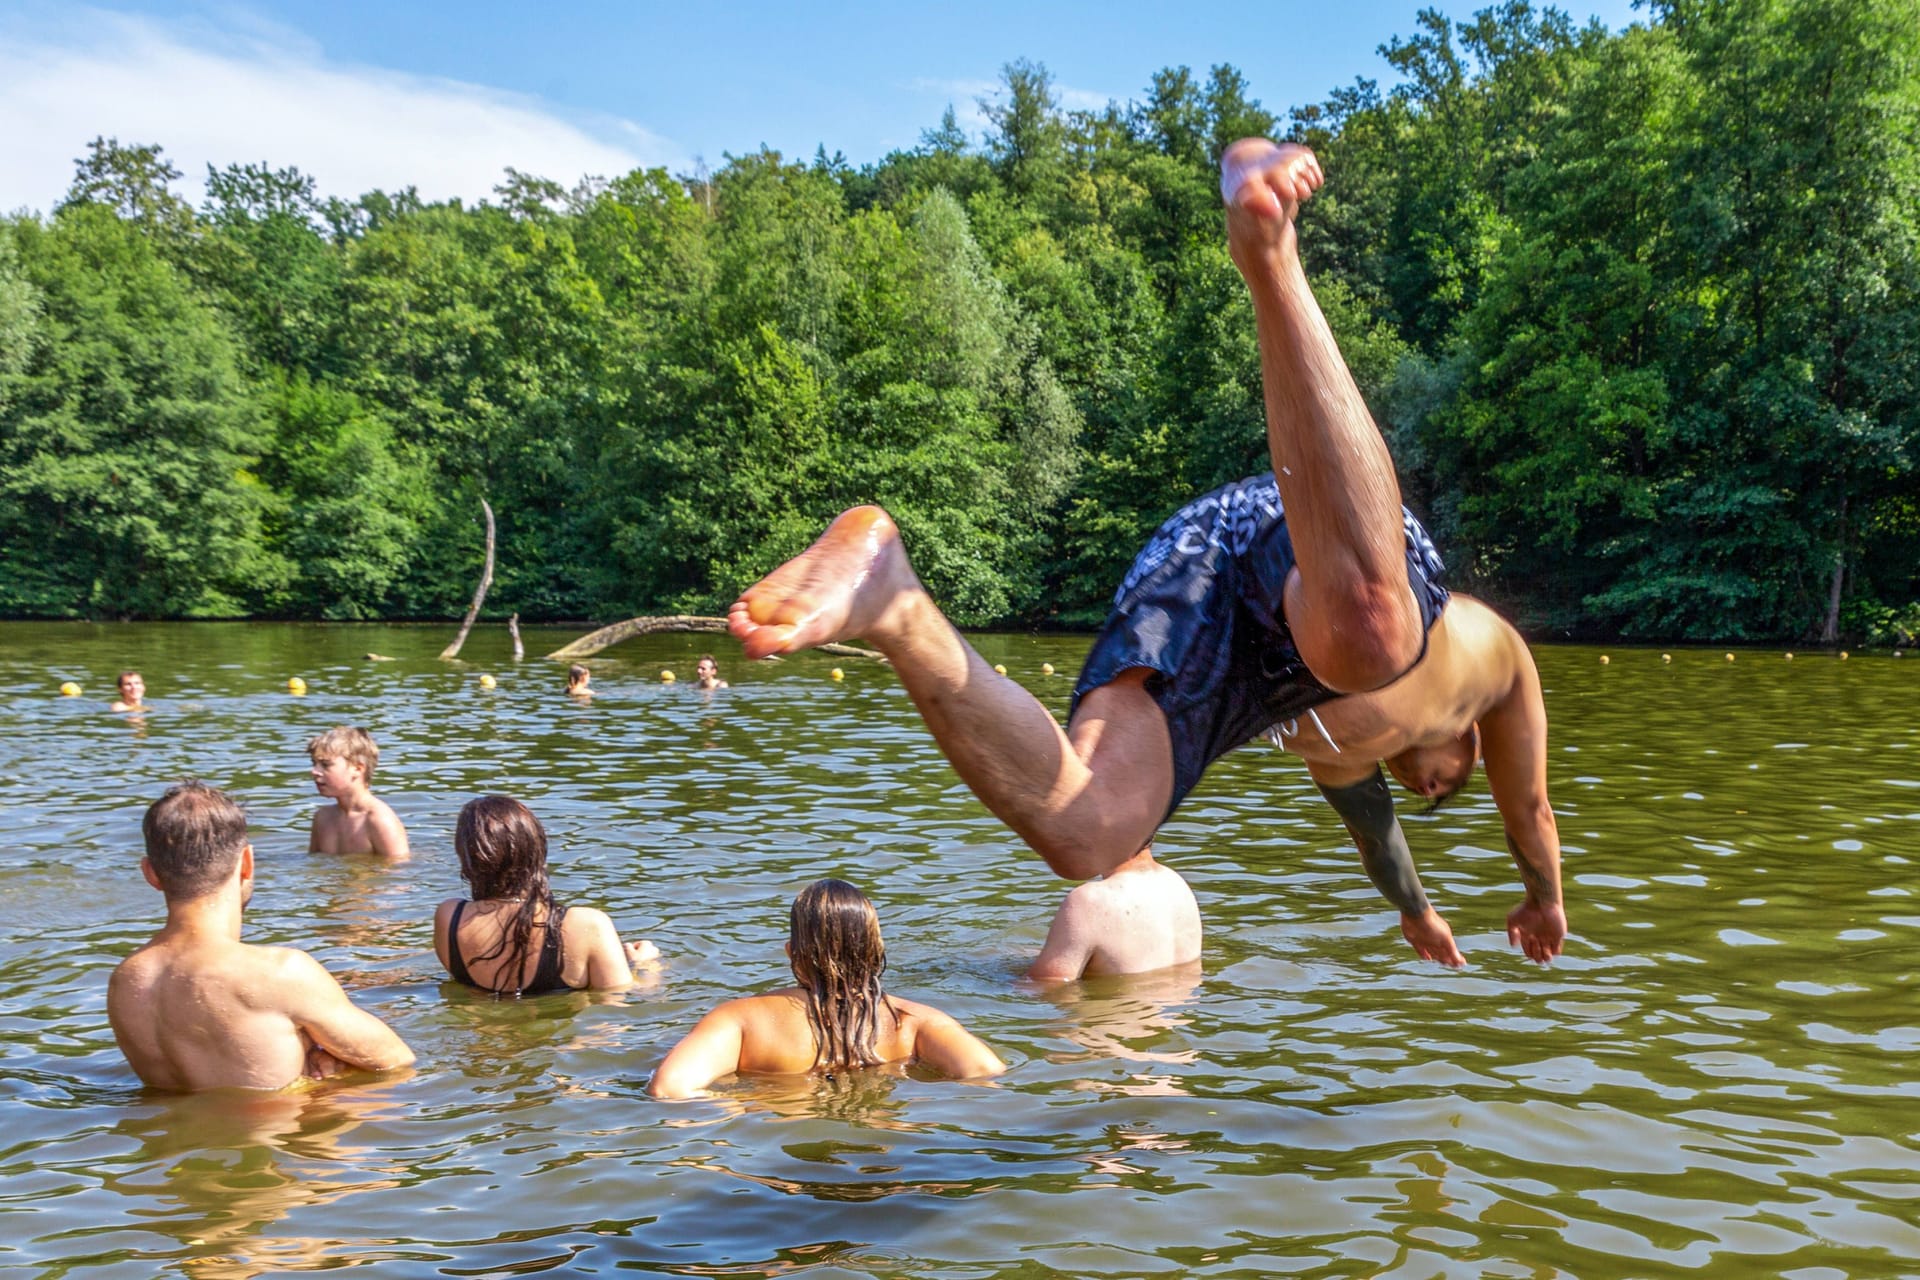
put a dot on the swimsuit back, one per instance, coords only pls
(546, 974)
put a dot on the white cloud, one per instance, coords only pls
(221, 97)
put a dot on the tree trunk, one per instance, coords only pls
(479, 592)
(607, 637)
(513, 629)
(1830, 631)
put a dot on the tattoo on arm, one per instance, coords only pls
(1530, 877)
(1367, 809)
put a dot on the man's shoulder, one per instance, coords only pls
(138, 969)
(281, 964)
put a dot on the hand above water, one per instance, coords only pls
(641, 953)
(1538, 928)
(1431, 937)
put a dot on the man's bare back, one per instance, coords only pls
(1140, 917)
(196, 1008)
(193, 1014)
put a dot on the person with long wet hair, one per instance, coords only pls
(512, 938)
(837, 1018)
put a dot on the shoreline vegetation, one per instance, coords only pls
(1638, 313)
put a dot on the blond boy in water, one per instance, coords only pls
(196, 1008)
(359, 821)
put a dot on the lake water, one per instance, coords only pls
(1718, 1079)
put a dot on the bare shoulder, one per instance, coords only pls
(920, 1017)
(584, 924)
(1478, 628)
(289, 970)
(135, 973)
(585, 918)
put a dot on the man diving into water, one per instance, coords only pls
(1303, 604)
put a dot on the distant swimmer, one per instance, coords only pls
(196, 1008)
(359, 821)
(706, 675)
(579, 681)
(1139, 917)
(838, 1018)
(133, 692)
(512, 937)
(1305, 603)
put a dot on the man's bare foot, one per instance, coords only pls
(1264, 186)
(840, 587)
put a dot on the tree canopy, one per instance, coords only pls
(1638, 312)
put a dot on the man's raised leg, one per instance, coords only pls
(1086, 801)
(1348, 604)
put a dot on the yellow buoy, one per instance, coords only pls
(69, 689)
(1046, 668)
(487, 682)
(999, 669)
(666, 677)
(1729, 657)
(1666, 657)
(1605, 660)
(836, 674)
(1789, 657)
(296, 686)
(1843, 655)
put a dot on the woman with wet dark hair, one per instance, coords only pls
(837, 1018)
(512, 938)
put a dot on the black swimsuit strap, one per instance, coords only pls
(456, 965)
(546, 977)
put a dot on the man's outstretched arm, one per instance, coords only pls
(1513, 736)
(1366, 807)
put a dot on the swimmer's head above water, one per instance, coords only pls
(837, 956)
(502, 848)
(1437, 772)
(195, 836)
(579, 679)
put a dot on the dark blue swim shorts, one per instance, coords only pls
(1202, 608)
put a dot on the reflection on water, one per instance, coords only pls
(1717, 1079)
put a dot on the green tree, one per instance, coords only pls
(125, 488)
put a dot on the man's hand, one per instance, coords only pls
(322, 1065)
(1538, 929)
(642, 953)
(1430, 937)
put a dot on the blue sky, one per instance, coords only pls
(445, 95)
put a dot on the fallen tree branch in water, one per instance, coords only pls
(479, 593)
(607, 637)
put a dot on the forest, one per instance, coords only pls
(1638, 313)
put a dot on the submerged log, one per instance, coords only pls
(607, 637)
(479, 593)
(513, 629)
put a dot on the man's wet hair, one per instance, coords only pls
(194, 835)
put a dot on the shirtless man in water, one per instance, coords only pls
(1304, 602)
(1140, 917)
(196, 1008)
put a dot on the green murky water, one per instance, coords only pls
(1719, 1078)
